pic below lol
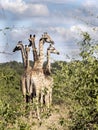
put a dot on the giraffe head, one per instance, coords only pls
(47, 38)
(31, 39)
(18, 46)
(52, 49)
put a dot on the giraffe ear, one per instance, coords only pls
(30, 35)
(34, 35)
(19, 41)
(45, 33)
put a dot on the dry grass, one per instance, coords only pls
(50, 121)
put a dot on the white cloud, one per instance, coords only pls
(38, 9)
(21, 7)
(63, 35)
(90, 3)
(78, 29)
(81, 28)
(60, 1)
(53, 1)
(15, 6)
(59, 30)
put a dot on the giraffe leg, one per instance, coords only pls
(28, 84)
(47, 99)
(50, 97)
(37, 104)
(42, 98)
(23, 88)
(37, 108)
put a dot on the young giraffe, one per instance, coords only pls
(47, 72)
(25, 78)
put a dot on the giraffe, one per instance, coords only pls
(47, 72)
(25, 78)
(37, 75)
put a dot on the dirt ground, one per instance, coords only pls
(54, 121)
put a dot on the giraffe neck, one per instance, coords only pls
(48, 65)
(41, 52)
(39, 63)
(35, 56)
(27, 58)
(23, 56)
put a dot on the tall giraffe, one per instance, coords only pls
(39, 59)
(48, 80)
(37, 75)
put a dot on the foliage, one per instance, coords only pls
(10, 96)
(76, 85)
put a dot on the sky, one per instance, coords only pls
(63, 20)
